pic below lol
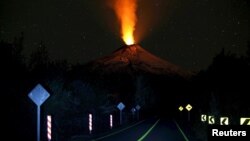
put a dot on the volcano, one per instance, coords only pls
(133, 75)
(134, 59)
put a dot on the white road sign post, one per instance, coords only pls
(133, 110)
(120, 106)
(138, 107)
(180, 109)
(111, 121)
(49, 125)
(189, 108)
(38, 95)
(90, 123)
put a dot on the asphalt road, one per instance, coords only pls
(149, 130)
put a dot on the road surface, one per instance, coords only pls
(149, 130)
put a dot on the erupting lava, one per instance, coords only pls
(126, 14)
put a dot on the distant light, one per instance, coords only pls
(90, 123)
(111, 121)
(49, 127)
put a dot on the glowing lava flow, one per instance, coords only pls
(126, 14)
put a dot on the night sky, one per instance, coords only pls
(188, 33)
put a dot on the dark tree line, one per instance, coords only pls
(222, 90)
(71, 97)
(18, 76)
(227, 78)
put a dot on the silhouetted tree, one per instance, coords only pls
(144, 94)
(39, 62)
(14, 81)
(248, 49)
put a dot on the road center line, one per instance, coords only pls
(111, 134)
(149, 130)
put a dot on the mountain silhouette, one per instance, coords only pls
(134, 59)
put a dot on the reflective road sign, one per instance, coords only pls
(189, 107)
(224, 121)
(180, 108)
(203, 118)
(120, 106)
(245, 121)
(38, 95)
(211, 120)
